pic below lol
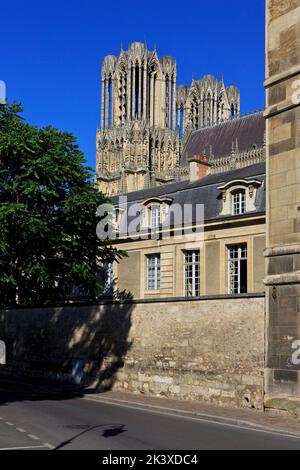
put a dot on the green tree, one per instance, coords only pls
(48, 219)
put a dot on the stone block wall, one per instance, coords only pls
(210, 349)
(283, 206)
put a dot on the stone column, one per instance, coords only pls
(129, 94)
(106, 102)
(185, 117)
(200, 115)
(133, 95)
(151, 99)
(145, 97)
(102, 104)
(174, 104)
(124, 95)
(113, 101)
(216, 108)
(140, 92)
(283, 205)
(170, 104)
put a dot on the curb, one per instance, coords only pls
(190, 414)
(240, 423)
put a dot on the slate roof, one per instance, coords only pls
(204, 191)
(249, 132)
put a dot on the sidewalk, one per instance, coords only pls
(200, 410)
(234, 416)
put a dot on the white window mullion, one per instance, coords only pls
(194, 275)
(191, 273)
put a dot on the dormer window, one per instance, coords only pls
(239, 196)
(155, 216)
(155, 212)
(238, 202)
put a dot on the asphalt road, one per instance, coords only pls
(31, 419)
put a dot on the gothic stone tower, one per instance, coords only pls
(144, 115)
(138, 137)
(205, 103)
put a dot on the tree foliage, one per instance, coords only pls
(48, 219)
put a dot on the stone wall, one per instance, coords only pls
(283, 206)
(210, 349)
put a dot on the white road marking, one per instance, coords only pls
(32, 436)
(49, 446)
(22, 448)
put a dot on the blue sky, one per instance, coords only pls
(51, 51)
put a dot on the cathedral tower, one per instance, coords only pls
(144, 115)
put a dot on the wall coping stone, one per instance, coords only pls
(258, 295)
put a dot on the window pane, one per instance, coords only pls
(237, 269)
(155, 217)
(153, 272)
(239, 202)
(108, 277)
(192, 273)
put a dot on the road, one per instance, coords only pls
(44, 420)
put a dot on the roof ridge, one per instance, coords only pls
(223, 123)
(187, 185)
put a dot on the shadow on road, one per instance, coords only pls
(112, 431)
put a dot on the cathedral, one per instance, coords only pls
(147, 119)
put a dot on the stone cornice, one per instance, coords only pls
(280, 77)
(279, 108)
(282, 250)
(283, 279)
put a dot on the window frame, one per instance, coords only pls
(155, 216)
(194, 265)
(109, 276)
(153, 283)
(239, 207)
(235, 287)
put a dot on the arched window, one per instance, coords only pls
(238, 202)
(208, 115)
(232, 111)
(172, 103)
(181, 121)
(167, 103)
(122, 91)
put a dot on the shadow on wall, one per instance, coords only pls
(79, 345)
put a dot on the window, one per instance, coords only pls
(192, 273)
(239, 202)
(153, 272)
(155, 217)
(237, 269)
(108, 277)
(232, 112)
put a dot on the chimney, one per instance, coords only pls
(199, 167)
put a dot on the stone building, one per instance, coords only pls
(146, 118)
(232, 194)
(283, 206)
(219, 251)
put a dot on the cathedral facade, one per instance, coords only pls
(146, 119)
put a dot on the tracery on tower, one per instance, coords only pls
(145, 117)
